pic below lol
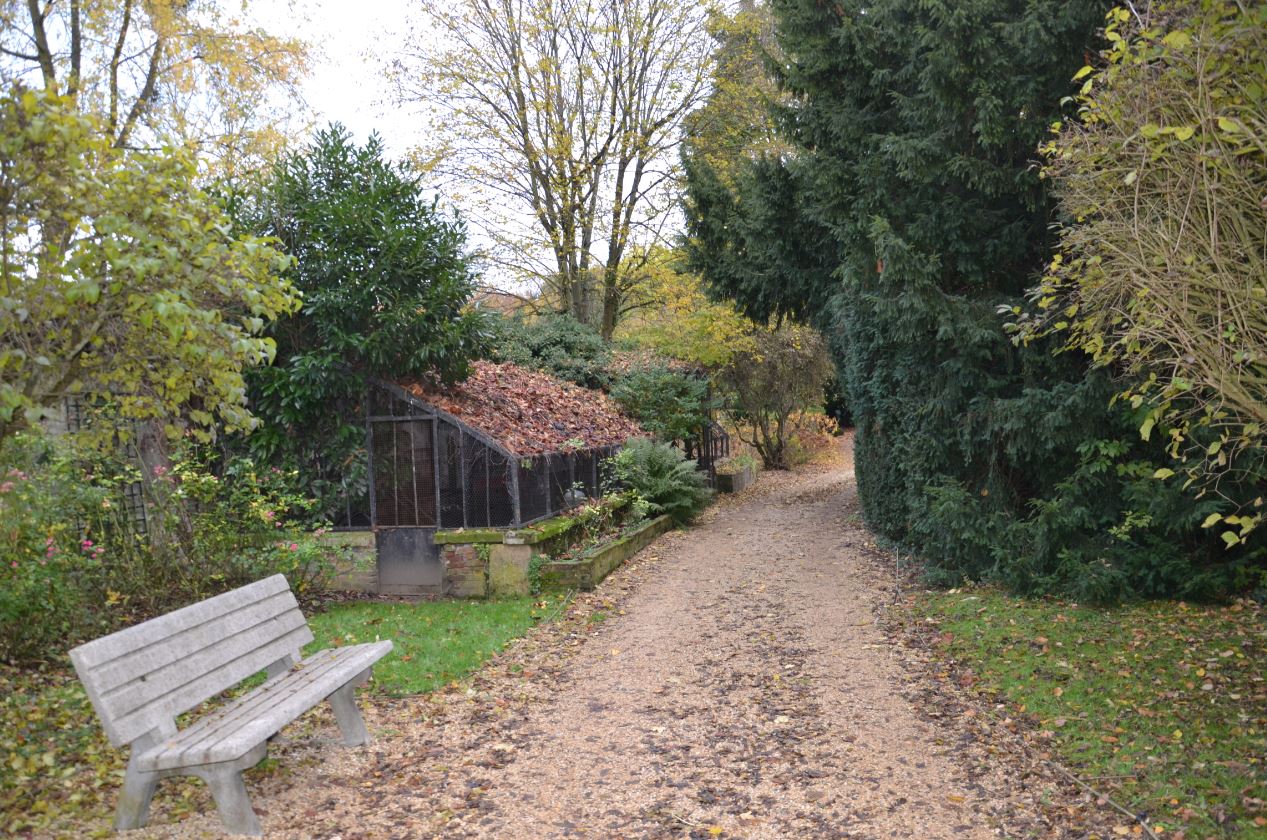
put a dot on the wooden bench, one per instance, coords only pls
(141, 678)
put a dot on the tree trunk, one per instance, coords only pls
(166, 520)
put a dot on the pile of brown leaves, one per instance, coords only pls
(528, 412)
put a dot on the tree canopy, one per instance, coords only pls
(568, 115)
(158, 71)
(120, 280)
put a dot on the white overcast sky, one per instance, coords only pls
(350, 40)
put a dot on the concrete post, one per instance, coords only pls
(508, 570)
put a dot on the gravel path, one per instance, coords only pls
(737, 685)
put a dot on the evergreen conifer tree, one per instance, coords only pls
(908, 210)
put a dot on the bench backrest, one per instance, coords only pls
(141, 678)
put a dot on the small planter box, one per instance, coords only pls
(734, 482)
(590, 570)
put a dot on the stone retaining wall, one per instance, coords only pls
(589, 571)
(484, 562)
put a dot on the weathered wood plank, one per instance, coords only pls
(99, 651)
(184, 698)
(197, 667)
(178, 646)
(232, 731)
(230, 742)
(239, 709)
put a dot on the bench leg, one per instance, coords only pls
(229, 791)
(134, 799)
(348, 715)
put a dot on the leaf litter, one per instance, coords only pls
(762, 689)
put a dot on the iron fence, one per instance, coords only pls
(710, 445)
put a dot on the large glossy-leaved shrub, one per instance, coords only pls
(385, 277)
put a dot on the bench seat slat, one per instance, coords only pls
(246, 706)
(233, 731)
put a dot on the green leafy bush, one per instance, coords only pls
(557, 344)
(767, 384)
(671, 405)
(78, 560)
(44, 561)
(119, 276)
(1161, 273)
(662, 477)
(385, 278)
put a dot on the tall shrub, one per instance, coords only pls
(1161, 273)
(780, 374)
(385, 276)
(78, 556)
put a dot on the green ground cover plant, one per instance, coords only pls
(1160, 705)
(58, 766)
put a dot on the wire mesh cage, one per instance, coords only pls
(429, 469)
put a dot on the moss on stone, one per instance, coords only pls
(589, 570)
(469, 536)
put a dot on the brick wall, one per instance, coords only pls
(357, 569)
(465, 571)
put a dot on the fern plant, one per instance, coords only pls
(662, 477)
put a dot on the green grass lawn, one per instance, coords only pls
(435, 642)
(1161, 705)
(55, 762)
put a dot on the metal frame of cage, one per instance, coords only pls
(452, 475)
(75, 416)
(710, 444)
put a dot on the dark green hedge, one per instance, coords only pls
(910, 209)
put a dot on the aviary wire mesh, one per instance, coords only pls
(428, 469)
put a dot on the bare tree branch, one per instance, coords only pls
(567, 112)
